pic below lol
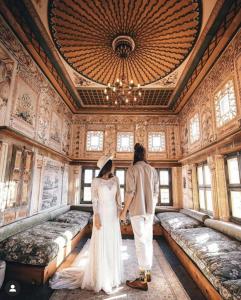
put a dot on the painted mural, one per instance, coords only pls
(227, 67)
(52, 185)
(35, 108)
(111, 125)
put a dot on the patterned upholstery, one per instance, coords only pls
(231, 289)
(231, 229)
(38, 245)
(195, 214)
(75, 217)
(29, 249)
(173, 221)
(217, 255)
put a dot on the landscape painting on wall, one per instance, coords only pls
(51, 186)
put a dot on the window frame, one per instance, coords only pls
(83, 184)
(232, 187)
(204, 187)
(169, 186)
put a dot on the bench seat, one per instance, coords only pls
(38, 245)
(217, 255)
(75, 217)
(173, 221)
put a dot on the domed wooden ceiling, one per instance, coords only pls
(161, 35)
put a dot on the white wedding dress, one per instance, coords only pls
(102, 270)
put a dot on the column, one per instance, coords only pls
(212, 166)
(222, 194)
(74, 185)
(195, 196)
(177, 187)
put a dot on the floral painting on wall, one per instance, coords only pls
(26, 100)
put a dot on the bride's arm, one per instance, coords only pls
(95, 201)
(118, 196)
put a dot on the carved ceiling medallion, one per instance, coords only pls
(152, 37)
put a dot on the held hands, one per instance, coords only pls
(97, 221)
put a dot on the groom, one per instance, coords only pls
(142, 188)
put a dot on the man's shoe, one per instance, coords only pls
(137, 284)
(148, 276)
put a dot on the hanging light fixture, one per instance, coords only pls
(123, 92)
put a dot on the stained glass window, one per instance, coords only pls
(194, 129)
(225, 104)
(94, 141)
(156, 141)
(125, 142)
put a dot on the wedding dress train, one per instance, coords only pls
(102, 268)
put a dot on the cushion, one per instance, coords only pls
(26, 248)
(166, 215)
(197, 215)
(68, 231)
(231, 289)
(175, 221)
(24, 224)
(218, 256)
(74, 217)
(228, 228)
(38, 245)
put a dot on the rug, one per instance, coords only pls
(165, 284)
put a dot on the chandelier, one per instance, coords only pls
(123, 92)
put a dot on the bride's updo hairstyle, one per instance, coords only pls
(106, 169)
(139, 153)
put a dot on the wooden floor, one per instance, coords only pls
(30, 292)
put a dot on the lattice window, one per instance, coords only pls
(194, 127)
(94, 141)
(125, 142)
(225, 104)
(156, 142)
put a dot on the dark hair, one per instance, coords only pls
(107, 168)
(139, 153)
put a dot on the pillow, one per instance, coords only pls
(197, 215)
(227, 228)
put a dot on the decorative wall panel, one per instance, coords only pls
(6, 74)
(203, 100)
(139, 126)
(52, 185)
(36, 109)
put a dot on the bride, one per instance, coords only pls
(103, 270)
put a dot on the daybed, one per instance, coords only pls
(209, 249)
